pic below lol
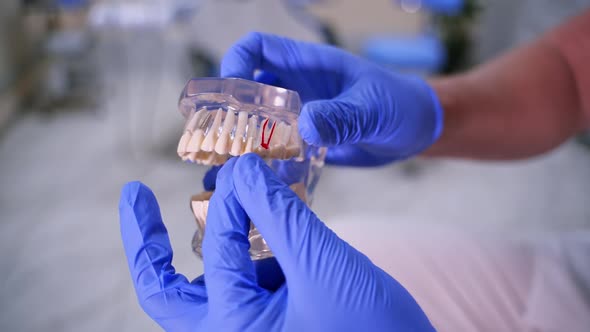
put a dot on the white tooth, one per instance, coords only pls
(223, 142)
(278, 152)
(292, 151)
(294, 145)
(252, 133)
(205, 210)
(262, 152)
(249, 144)
(294, 138)
(277, 134)
(182, 143)
(196, 206)
(286, 134)
(194, 144)
(211, 138)
(192, 123)
(236, 147)
(201, 215)
(279, 141)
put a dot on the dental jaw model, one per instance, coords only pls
(228, 117)
(240, 133)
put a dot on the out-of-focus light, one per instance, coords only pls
(411, 6)
(128, 15)
(445, 7)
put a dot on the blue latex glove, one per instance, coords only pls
(210, 178)
(329, 285)
(368, 115)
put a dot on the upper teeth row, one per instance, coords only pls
(234, 134)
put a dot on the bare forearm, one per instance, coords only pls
(524, 103)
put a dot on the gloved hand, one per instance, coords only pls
(210, 178)
(329, 285)
(368, 115)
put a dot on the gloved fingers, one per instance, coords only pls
(338, 121)
(210, 177)
(290, 172)
(229, 272)
(282, 57)
(254, 51)
(149, 255)
(267, 78)
(269, 274)
(289, 227)
(354, 155)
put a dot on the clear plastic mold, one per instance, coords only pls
(228, 117)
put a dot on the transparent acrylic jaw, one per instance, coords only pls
(228, 117)
(258, 247)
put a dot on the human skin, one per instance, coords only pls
(523, 103)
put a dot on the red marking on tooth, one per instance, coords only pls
(272, 130)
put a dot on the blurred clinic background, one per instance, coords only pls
(88, 93)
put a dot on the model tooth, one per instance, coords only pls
(184, 139)
(251, 134)
(202, 213)
(294, 146)
(278, 152)
(262, 152)
(188, 132)
(194, 144)
(286, 134)
(277, 134)
(288, 142)
(223, 142)
(236, 147)
(249, 145)
(292, 151)
(197, 207)
(192, 123)
(205, 209)
(280, 140)
(211, 138)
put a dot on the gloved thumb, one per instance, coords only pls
(292, 231)
(230, 275)
(161, 291)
